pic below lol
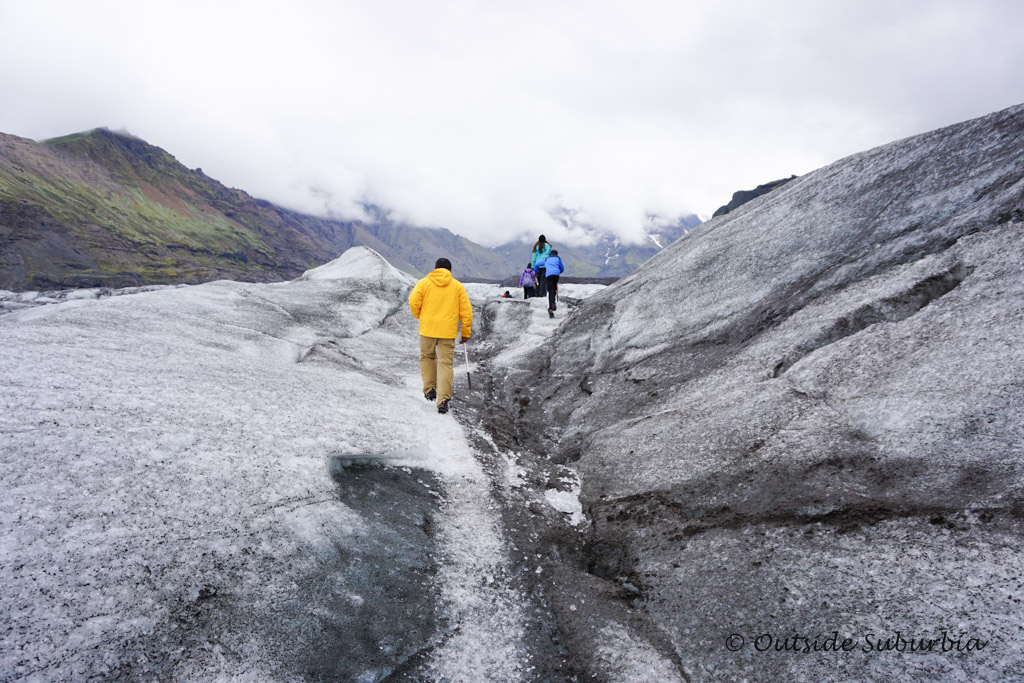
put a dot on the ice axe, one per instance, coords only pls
(469, 381)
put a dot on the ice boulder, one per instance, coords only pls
(360, 263)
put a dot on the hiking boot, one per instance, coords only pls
(551, 313)
(442, 407)
(430, 395)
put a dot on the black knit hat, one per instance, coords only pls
(443, 263)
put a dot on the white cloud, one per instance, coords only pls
(480, 116)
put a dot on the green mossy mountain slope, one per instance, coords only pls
(106, 209)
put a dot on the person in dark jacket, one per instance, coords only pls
(553, 267)
(541, 250)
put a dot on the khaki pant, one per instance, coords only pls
(436, 365)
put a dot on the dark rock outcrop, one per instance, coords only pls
(743, 196)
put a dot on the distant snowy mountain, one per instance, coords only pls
(606, 255)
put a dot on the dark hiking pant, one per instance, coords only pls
(552, 291)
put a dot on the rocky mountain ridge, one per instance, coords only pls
(108, 209)
(743, 196)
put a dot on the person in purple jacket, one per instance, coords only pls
(528, 280)
(553, 267)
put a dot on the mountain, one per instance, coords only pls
(802, 421)
(606, 256)
(107, 209)
(743, 196)
(103, 208)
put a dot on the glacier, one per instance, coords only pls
(800, 421)
(169, 507)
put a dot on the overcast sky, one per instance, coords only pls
(482, 116)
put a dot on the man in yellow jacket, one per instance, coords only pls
(439, 302)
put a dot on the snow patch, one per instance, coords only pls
(567, 502)
(630, 659)
(515, 474)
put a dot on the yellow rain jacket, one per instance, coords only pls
(439, 301)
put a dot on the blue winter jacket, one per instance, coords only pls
(553, 266)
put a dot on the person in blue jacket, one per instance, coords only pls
(553, 267)
(541, 249)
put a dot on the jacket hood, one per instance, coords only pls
(442, 277)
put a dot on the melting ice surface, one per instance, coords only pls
(168, 508)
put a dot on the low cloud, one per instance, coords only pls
(485, 117)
